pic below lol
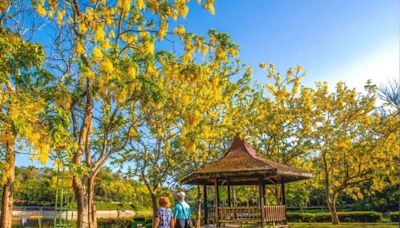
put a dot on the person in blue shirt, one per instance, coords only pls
(182, 212)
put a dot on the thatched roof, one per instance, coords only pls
(242, 165)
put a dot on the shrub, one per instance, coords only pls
(356, 216)
(114, 222)
(113, 206)
(395, 216)
(300, 217)
(360, 216)
(144, 217)
(323, 217)
(144, 214)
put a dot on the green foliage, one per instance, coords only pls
(35, 186)
(114, 223)
(300, 217)
(385, 200)
(298, 194)
(355, 216)
(112, 187)
(125, 222)
(349, 225)
(143, 215)
(114, 206)
(395, 216)
(17, 55)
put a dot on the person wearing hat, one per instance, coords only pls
(164, 214)
(182, 212)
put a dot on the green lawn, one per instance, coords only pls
(144, 214)
(346, 225)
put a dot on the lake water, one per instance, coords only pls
(48, 223)
(34, 223)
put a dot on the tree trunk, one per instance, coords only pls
(8, 175)
(80, 183)
(198, 209)
(154, 204)
(332, 209)
(91, 203)
(82, 203)
(330, 196)
(86, 207)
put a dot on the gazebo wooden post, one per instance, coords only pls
(265, 196)
(229, 193)
(283, 196)
(216, 203)
(205, 204)
(265, 200)
(261, 191)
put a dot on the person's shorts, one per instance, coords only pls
(181, 223)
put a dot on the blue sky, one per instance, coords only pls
(335, 40)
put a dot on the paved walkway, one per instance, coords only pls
(72, 214)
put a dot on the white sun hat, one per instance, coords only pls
(181, 194)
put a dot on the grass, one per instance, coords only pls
(144, 214)
(344, 225)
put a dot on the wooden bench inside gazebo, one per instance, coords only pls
(242, 165)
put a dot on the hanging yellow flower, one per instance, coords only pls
(60, 16)
(106, 44)
(126, 5)
(191, 147)
(106, 66)
(183, 11)
(204, 50)
(79, 49)
(99, 34)
(132, 72)
(147, 47)
(163, 30)
(180, 30)
(83, 28)
(41, 11)
(97, 55)
(209, 5)
(141, 4)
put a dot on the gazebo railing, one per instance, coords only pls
(239, 214)
(211, 215)
(274, 213)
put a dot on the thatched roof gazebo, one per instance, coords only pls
(241, 165)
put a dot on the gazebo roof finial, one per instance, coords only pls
(240, 147)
